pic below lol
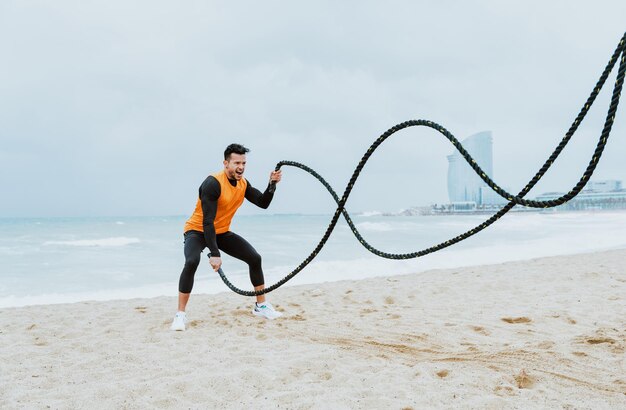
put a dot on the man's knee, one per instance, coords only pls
(255, 260)
(192, 262)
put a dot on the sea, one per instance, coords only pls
(65, 260)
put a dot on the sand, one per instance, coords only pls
(543, 333)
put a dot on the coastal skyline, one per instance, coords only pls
(109, 108)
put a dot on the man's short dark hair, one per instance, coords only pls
(234, 149)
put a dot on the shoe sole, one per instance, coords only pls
(178, 328)
(259, 314)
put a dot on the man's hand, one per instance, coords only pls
(215, 262)
(275, 176)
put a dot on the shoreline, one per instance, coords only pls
(215, 286)
(541, 333)
(116, 262)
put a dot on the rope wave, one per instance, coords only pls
(513, 200)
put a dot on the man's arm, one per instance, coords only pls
(255, 196)
(210, 191)
(263, 200)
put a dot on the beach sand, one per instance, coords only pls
(543, 333)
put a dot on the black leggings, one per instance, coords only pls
(229, 242)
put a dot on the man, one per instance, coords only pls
(220, 195)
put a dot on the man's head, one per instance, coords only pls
(235, 161)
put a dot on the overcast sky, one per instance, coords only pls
(124, 107)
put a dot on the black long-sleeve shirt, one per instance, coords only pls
(210, 191)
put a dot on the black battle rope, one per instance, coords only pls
(513, 199)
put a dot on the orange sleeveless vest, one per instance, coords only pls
(231, 198)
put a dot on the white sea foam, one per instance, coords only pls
(97, 295)
(115, 241)
(375, 226)
(202, 285)
(370, 213)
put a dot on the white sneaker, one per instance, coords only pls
(265, 310)
(179, 322)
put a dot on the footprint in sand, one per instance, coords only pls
(367, 310)
(598, 340)
(504, 391)
(546, 344)
(389, 300)
(40, 342)
(241, 312)
(524, 380)
(481, 330)
(522, 319)
(610, 338)
(195, 323)
(568, 319)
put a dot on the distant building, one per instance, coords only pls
(607, 194)
(609, 185)
(489, 197)
(464, 185)
(468, 193)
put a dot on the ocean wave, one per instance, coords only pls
(147, 291)
(108, 242)
(375, 226)
(6, 250)
(370, 213)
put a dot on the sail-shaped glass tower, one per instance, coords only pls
(463, 183)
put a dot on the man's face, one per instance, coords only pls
(235, 166)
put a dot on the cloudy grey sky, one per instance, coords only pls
(122, 108)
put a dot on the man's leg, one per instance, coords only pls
(194, 244)
(183, 298)
(237, 247)
(260, 298)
